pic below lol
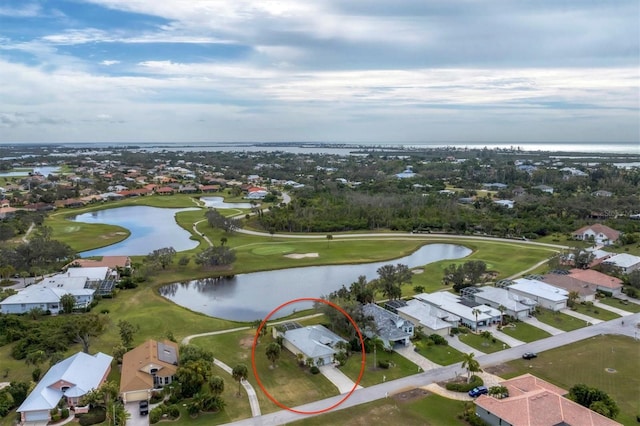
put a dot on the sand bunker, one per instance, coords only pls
(300, 255)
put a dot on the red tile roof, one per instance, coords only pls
(597, 278)
(532, 402)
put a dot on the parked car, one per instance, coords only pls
(480, 390)
(144, 408)
(529, 355)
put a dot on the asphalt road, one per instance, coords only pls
(630, 328)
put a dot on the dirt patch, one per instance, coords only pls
(498, 370)
(417, 271)
(410, 395)
(301, 255)
(246, 343)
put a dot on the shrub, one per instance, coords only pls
(155, 415)
(64, 413)
(465, 387)
(438, 339)
(94, 416)
(383, 364)
(104, 311)
(173, 411)
(155, 397)
(314, 370)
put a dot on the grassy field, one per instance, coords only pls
(525, 332)
(595, 312)
(400, 367)
(480, 343)
(419, 409)
(617, 303)
(559, 320)
(440, 354)
(586, 362)
(288, 382)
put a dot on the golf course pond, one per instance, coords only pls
(248, 297)
(151, 228)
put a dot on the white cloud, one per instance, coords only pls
(108, 63)
(25, 11)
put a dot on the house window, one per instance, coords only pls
(166, 380)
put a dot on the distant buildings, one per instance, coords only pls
(597, 233)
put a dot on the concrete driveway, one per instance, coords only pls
(136, 419)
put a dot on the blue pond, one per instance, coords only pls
(248, 297)
(151, 228)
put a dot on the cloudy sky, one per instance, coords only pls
(319, 70)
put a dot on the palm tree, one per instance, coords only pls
(471, 364)
(216, 385)
(377, 343)
(273, 353)
(240, 373)
(502, 310)
(476, 312)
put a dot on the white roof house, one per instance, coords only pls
(314, 342)
(545, 295)
(71, 378)
(91, 273)
(625, 261)
(452, 303)
(432, 319)
(47, 294)
(516, 306)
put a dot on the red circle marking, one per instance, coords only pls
(255, 342)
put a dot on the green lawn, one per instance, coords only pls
(288, 382)
(480, 343)
(586, 362)
(559, 320)
(617, 303)
(400, 367)
(429, 410)
(524, 332)
(440, 354)
(595, 312)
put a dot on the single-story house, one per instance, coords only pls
(465, 310)
(515, 306)
(627, 263)
(391, 328)
(505, 203)
(533, 401)
(151, 365)
(547, 296)
(431, 319)
(94, 275)
(544, 188)
(46, 295)
(603, 282)
(598, 233)
(256, 193)
(586, 291)
(71, 379)
(314, 342)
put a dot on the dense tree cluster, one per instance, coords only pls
(594, 399)
(215, 256)
(216, 220)
(37, 256)
(464, 275)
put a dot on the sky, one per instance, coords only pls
(355, 71)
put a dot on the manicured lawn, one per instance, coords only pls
(560, 320)
(440, 354)
(430, 410)
(480, 343)
(586, 362)
(288, 382)
(400, 367)
(595, 312)
(617, 303)
(524, 332)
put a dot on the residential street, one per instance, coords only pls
(630, 328)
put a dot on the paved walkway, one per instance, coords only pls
(583, 317)
(613, 309)
(251, 393)
(543, 326)
(506, 338)
(338, 378)
(409, 353)
(455, 343)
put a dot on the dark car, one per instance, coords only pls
(529, 355)
(480, 390)
(144, 408)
